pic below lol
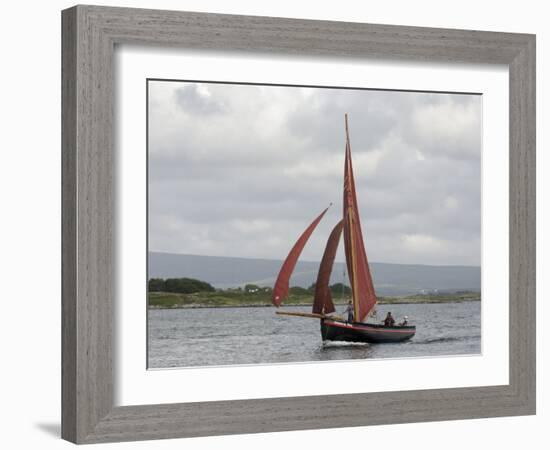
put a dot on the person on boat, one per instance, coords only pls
(405, 322)
(349, 312)
(389, 321)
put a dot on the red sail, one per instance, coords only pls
(280, 290)
(364, 297)
(322, 303)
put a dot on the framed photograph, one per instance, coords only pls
(278, 224)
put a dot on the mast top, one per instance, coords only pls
(347, 130)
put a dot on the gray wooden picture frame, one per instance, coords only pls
(89, 37)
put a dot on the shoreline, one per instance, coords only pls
(264, 305)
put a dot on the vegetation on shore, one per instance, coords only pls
(252, 295)
(179, 285)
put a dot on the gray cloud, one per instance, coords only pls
(190, 99)
(241, 170)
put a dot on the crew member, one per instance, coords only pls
(349, 312)
(389, 321)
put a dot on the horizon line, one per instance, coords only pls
(310, 261)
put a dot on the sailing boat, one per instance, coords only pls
(334, 328)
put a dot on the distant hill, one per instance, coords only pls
(389, 279)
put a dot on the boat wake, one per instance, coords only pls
(339, 344)
(439, 340)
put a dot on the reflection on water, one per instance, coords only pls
(349, 350)
(226, 336)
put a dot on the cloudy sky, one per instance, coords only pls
(240, 170)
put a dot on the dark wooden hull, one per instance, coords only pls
(363, 332)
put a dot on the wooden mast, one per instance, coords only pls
(349, 213)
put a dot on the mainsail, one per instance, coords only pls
(364, 297)
(280, 290)
(322, 303)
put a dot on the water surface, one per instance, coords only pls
(228, 336)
